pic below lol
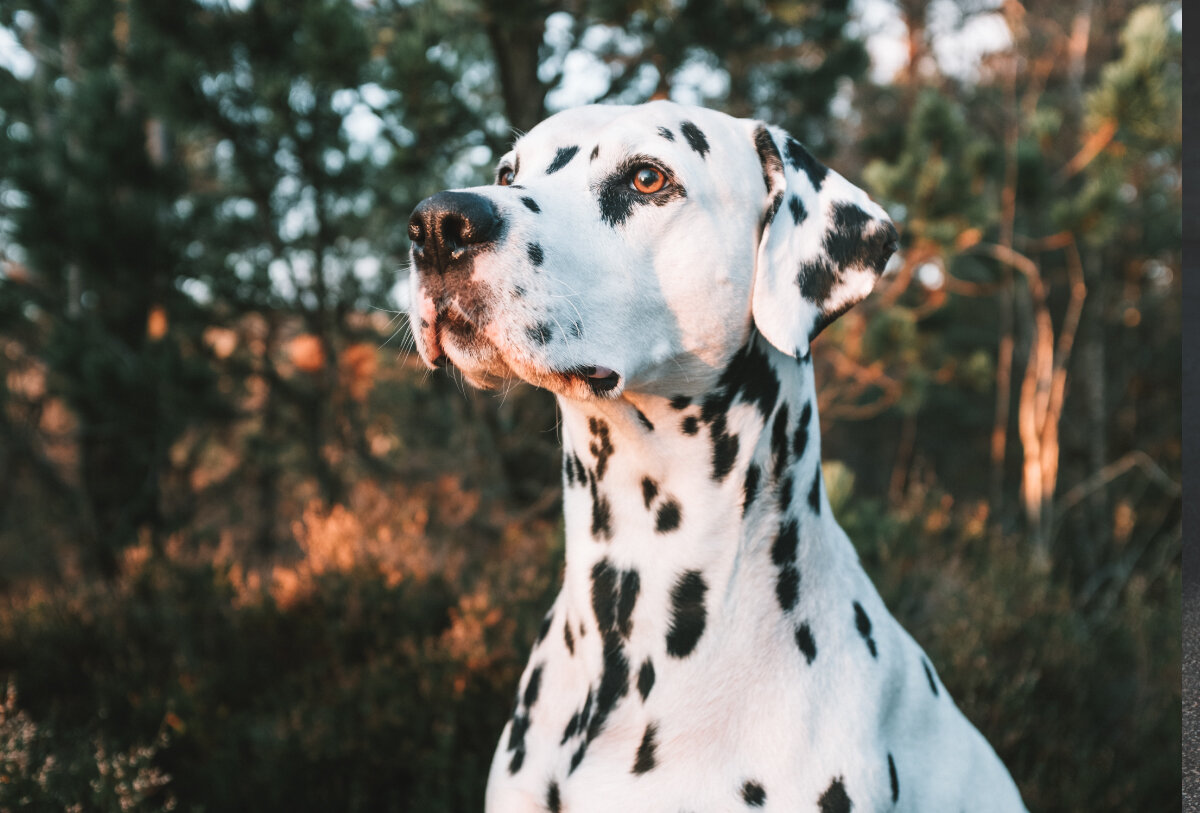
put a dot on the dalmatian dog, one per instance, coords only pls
(716, 645)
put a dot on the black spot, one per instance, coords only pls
(694, 138)
(665, 133)
(516, 735)
(533, 687)
(518, 759)
(577, 757)
(631, 584)
(804, 640)
(772, 210)
(688, 614)
(816, 279)
(568, 638)
(580, 473)
(604, 595)
(536, 256)
(681, 402)
(690, 425)
(601, 446)
(783, 549)
(863, 623)
(768, 158)
(814, 493)
(649, 491)
(572, 727)
(753, 794)
(798, 212)
(857, 239)
(601, 515)
(645, 752)
(539, 333)
(835, 800)
(561, 159)
(779, 450)
(749, 374)
(801, 160)
(645, 678)
(568, 471)
(787, 587)
(614, 684)
(800, 439)
(750, 487)
(929, 675)
(595, 153)
(668, 517)
(531, 204)
(786, 486)
(895, 779)
(553, 800)
(724, 454)
(645, 421)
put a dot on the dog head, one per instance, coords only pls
(635, 248)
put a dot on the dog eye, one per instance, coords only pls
(648, 180)
(505, 176)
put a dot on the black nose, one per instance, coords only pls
(445, 224)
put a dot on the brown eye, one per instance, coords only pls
(648, 180)
(505, 176)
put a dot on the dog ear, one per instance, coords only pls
(823, 244)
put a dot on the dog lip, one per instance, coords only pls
(601, 380)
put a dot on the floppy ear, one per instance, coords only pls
(824, 244)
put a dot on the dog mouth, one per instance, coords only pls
(452, 341)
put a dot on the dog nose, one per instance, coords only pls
(444, 224)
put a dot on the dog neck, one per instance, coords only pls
(677, 499)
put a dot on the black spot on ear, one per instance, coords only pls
(856, 239)
(645, 678)
(561, 159)
(539, 333)
(895, 779)
(568, 638)
(816, 279)
(645, 421)
(800, 439)
(688, 614)
(533, 687)
(750, 487)
(595, 153)
(665, 133)
(649, 491)
(753, 794)
(802, 161)
(929, 674)
(681, 402)
(668, 517)
(863, 623)
(690, 425)
(536, 255)
(814, 493)
(531, 204)
(769, 159)
(804, 640)
(553, 800)
(779, 438)
(645, 754)
(694, 138)
(835, 800)
(797, 208)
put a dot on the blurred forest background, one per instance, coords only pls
(253, 557)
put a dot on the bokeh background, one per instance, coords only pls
(253, 557)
